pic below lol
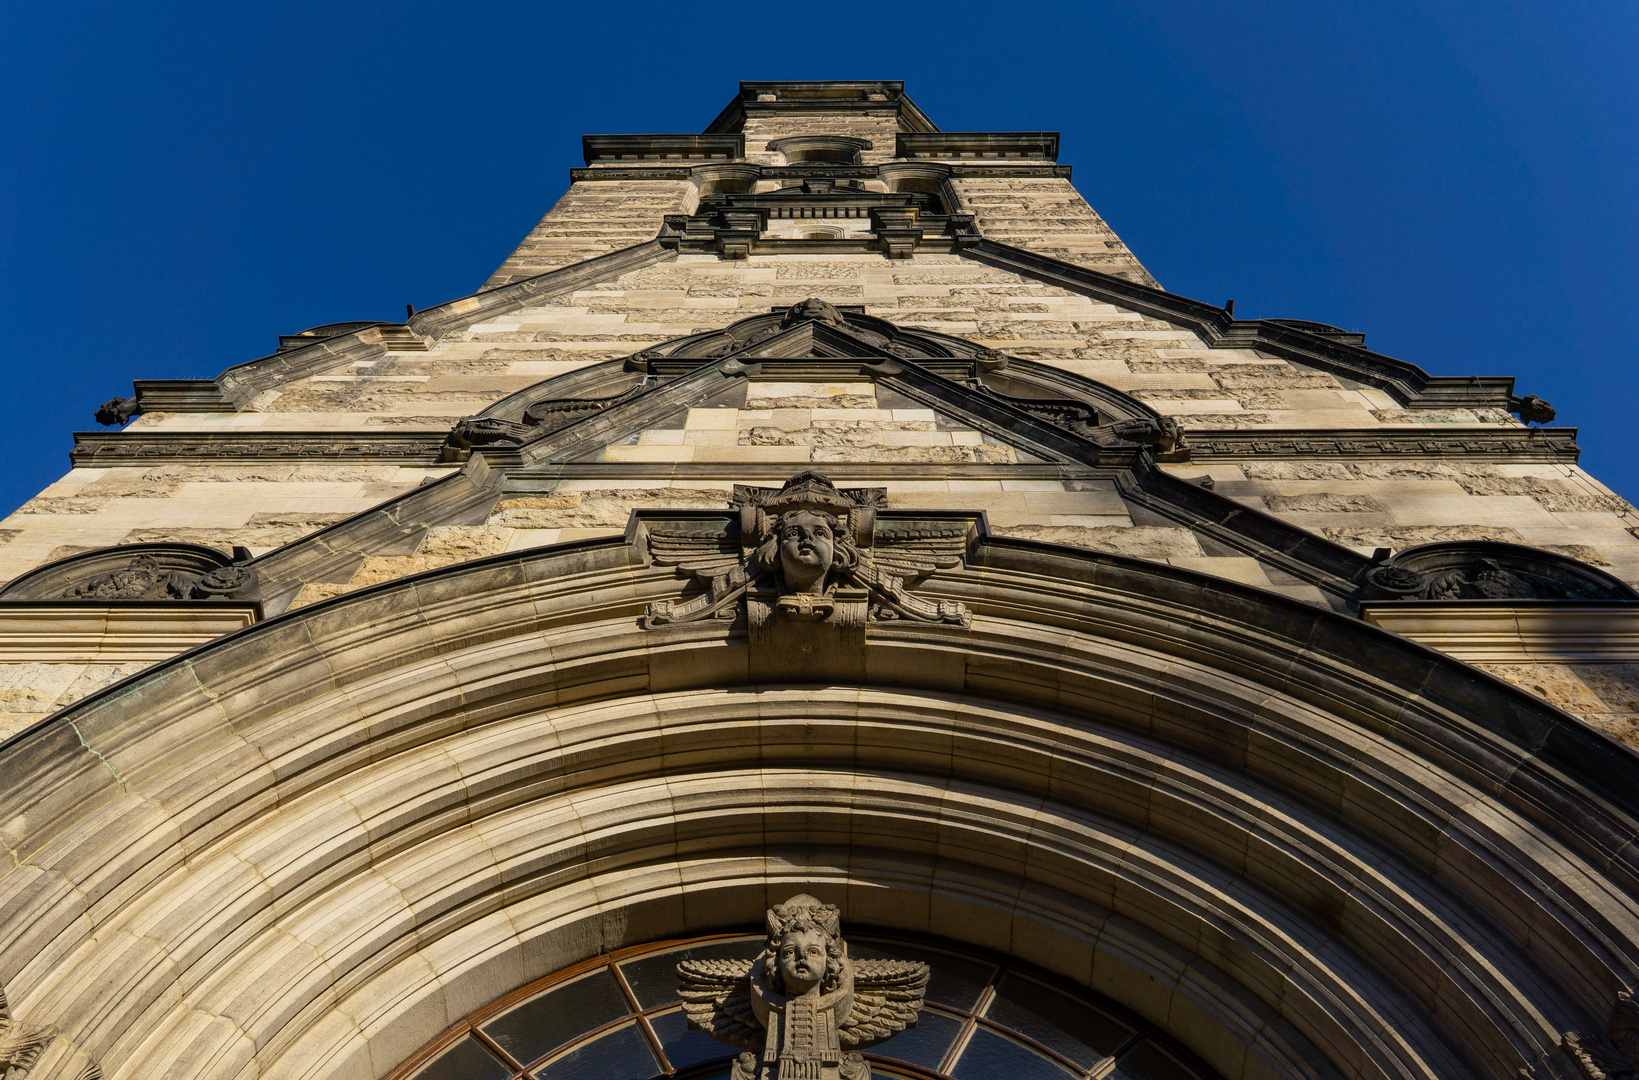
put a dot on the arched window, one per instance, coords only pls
(618, 1017)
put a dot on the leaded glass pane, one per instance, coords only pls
(1082, 1034)
(926, 1043)
(685, 1047)
(622, 1054)
(546, 1022)
(653, 979)
(989, 1056)
(466, 1060)
(1149, 1063)
(957, 980)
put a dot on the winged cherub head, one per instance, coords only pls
(809, 544)
(804, 947)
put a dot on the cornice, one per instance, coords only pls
(820, 96)
(115, 631)
(1221, 330)
(1334, 569)
(959, 170)
(112, 448)
(598, 148)
(1515, 631)
(234, 388)
(1041, 145)
(1488, 444)
(545, 476)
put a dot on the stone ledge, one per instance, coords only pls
(116, 631)
(1511, 631)
(104, 448)
(1460, 441)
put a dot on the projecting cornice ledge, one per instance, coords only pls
(1410, 384)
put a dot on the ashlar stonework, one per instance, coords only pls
(828, 506)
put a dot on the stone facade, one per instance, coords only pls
(1130, 668)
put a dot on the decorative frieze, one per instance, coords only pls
(192, 448)
(1532, 444)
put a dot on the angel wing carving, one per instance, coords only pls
(913, 554)
(20, 1045)
(887, 996)
(717, 1000)
(903, 557)
(1613, 1055)
(766, 554)
(701, 555)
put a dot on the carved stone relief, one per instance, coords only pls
(1613, 1055)
(802, 1008)
(807, 553)
(146, 579)
(1488, 571)
(116, 411)
(22, 1044)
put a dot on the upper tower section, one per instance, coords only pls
(790, 122)
(865, 136)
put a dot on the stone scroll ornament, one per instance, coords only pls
(808, 552)
(802, 1008)
(146, 579)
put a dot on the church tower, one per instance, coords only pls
(823, 522)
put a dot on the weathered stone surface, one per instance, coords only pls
(1144, 542)
(1585, 552)
(1554, 495)
(807, 271)
(255, 537)
(1399, 536)
(1324, 503)
(94, 678)
(464, 541)
(308, 519)
(68, 504)
(916, 454)
(392, 567)
(605, 508)
(1605, 695)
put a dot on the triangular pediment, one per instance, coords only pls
(813, 340)
(827, 384)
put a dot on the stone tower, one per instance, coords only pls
(831, 500)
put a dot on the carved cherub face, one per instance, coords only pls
(807, 547)
(803, 959)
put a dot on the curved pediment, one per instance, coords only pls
(1489, 570)
(844, 332)
(149, 571)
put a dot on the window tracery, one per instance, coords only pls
(618, 1017)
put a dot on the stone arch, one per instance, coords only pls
(1300, 845)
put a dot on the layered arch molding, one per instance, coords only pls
(1298, 845)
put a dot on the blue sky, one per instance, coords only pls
(181, 183)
